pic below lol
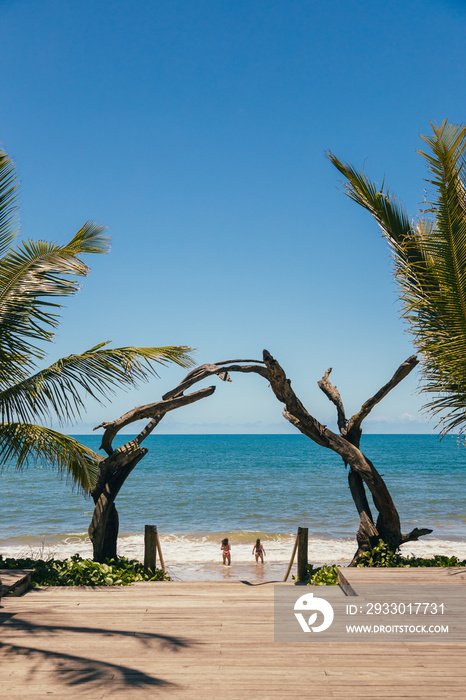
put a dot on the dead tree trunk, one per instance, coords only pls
(118, 465)
(362, 472)
(113, 472)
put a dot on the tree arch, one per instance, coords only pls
(120, 462)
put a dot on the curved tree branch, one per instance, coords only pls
(415, 534)
(403, 370)
(218, 368)
(332, 393)
(150, 410)
(388, 523)
(117, 466)
(175, 398)
(115, 469)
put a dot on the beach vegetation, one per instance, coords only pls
(77, 571)
(430, 266)
(384, 556)
(34, 277)
(325, 575)
(381, 556)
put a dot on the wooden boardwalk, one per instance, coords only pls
(351, 578)
(14, 582)
(199, 640)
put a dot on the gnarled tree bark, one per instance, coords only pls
(387, 527)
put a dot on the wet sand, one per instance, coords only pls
(241, 571)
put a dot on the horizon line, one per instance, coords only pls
(263, 434)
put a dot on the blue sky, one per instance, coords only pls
(196, 130)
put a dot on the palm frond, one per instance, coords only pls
(34, 276)
(390, 215)
(61, 388)
(23, 445)
(30, 276)
(430, 267)
(408, 248)
(89, 239)
(8, 207)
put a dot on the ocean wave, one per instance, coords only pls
(204, 548)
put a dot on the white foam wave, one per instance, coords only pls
(205, 548)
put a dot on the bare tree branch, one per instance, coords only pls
(175, 398)
(388, 522)
(114, 470)
(415, 534)
(332, 393)
(402, 372)
(119, 464)
(150, 410)
(207, 370)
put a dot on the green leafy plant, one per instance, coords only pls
(84, 572)
(382, 556)
(325, 575)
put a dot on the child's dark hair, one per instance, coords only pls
(258, 542)
(225, 541)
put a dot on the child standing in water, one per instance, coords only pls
(226, 551)
(259, 550)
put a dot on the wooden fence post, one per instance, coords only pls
(302, 554)
(162, 563)
(292, 558)
(150, 547)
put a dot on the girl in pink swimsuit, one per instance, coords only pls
(226, 551)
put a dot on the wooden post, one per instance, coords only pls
(302, 554)
(150, 547)
(292, 558)
(162, 563)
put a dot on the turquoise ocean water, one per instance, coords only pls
(199, 488)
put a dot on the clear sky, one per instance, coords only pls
(196, 130)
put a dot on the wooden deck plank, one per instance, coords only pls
(353, 576)
(14, 581)
(181, 640)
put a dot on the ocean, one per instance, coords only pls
(198, 489)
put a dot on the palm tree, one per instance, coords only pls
(430, 266)
(33, 276)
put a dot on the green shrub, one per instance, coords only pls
(326, 575)
(382, 555)
(84, 572)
